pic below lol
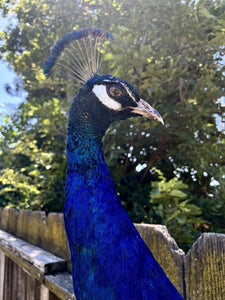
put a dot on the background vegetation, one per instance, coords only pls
(172, 52)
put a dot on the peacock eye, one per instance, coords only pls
(113, 91)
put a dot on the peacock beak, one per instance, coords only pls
(144, 109)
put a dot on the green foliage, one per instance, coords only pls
(171, 206)
(33, 152)
(173, 54)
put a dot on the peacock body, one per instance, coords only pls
(109, 258)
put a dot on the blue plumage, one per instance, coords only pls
(109, 258)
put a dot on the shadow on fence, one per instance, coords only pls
(35, 259)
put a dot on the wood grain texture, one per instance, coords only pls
(61, 284)
(46, 232)
(205, 268)
(2, 272)
(44, 293)
(19, 285)
(29, 255)
(22, 283)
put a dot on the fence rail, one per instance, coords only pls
(35, 260)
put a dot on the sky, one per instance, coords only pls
(8, 103)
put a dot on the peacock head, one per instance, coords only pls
(105, 97)
(116, 99)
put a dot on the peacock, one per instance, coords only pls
(109, 258)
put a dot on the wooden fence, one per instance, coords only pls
(35, 259)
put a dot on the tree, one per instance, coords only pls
(173, 53)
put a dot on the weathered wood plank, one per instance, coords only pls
(60, 284)
(205, 268)
(18, 278)
(2, 274)
(44, 293)
(30, 256)
(33, 288)
(166, 252)
(19, 285)
(8, 279)
(46, 232)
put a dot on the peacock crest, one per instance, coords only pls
(78, 55)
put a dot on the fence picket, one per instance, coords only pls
(205, 268)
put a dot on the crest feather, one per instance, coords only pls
(78, 54)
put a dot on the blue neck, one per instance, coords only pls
(84, 142)
(109, 258)
(89, 187)
(91, 203)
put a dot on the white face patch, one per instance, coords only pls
(101, 93)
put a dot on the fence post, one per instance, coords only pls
(205, 268)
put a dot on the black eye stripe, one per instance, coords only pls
(129, 96)
(133, 93)
(116, 86)
(120, 93)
